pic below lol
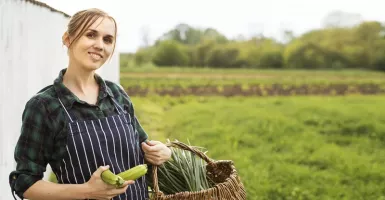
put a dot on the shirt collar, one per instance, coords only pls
(68, 98)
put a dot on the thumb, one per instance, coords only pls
(145, 146)
(152, 142)
(101, 169)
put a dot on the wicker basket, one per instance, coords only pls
(228, 185)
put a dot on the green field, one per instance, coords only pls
(313, 143)
(284, 148)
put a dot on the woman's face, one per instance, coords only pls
(94, 47)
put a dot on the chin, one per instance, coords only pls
(93, 66)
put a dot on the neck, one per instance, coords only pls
(79, 80)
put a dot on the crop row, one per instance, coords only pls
(259, 90)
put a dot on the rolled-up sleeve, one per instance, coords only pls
(30, 148)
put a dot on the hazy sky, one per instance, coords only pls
(230, 17)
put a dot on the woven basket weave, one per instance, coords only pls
(228, 185)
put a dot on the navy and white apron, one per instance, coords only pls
(109, 141)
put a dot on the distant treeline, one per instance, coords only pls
(360, 46)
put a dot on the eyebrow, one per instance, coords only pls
(95, 31)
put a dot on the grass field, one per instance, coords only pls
(286, 147)
(293, 134)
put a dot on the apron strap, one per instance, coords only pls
(66, 110)
(13, 194)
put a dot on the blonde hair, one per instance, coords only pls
(82, 20)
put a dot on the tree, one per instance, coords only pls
(340, 19)
(145, 36)
(185, 34)
(288, 36)
(368, 34)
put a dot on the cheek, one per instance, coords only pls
(79, 50)
(109, 50)
(86, 45)
(83, 44)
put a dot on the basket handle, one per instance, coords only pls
(183, 146)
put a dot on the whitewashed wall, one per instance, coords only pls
(31, 56)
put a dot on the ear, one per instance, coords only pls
(66, 39)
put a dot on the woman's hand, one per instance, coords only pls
(156, 152)
(97, 189)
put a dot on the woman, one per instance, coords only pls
(82, 125)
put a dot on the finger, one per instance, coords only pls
(151, 161)
(120, 190)
(152, 153)
(145, 146)
(129, 182)
(154, 148)
(125, 184)
(99, 171)
(155, 160)
(153, 142)
(152, 157)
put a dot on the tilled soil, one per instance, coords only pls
(261, 90)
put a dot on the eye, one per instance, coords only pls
(91, 35)
(108, 40)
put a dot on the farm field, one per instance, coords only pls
(297, 146)
(246, 82)
(286, 147)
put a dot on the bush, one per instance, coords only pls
(202, 52)
(312, 56)
(143, 56)
(170, 53)
(222, 56)
(272, 59)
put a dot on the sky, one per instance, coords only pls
(230, 17)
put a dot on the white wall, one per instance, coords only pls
(31, 56)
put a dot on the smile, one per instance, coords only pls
(95, 56)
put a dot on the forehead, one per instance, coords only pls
(104, 25)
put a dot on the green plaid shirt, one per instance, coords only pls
(44, 127)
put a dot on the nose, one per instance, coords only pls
(99, 45)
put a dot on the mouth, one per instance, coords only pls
(95, 56)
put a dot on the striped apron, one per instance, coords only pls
(109, 141)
